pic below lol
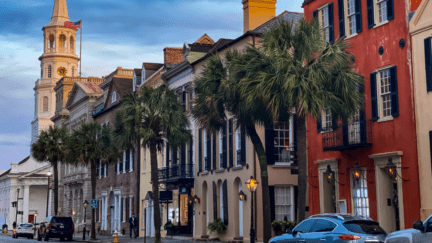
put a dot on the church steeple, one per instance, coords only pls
(60, 13)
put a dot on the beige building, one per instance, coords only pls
(226, 160)
(420, 28)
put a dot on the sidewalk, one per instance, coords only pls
(127, 239)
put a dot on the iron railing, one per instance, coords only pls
(178, 171)
(350, 135)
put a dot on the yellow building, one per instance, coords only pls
(420, 28)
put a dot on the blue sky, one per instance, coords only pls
(115, 33)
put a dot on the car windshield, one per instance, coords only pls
(364, 227)
(61, 221)
(26, 225)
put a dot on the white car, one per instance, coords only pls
(24, 230)
(421, 233)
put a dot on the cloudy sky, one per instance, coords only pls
(115, 33)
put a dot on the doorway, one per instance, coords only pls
(30, 218)
(329, 195)
(388, 202)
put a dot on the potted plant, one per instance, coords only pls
(168, 225)
(217, 226)
(281, 226)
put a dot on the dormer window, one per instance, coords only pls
(114, 97)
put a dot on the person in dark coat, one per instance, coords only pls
(14, 225)
(131, 225)
(136, 225)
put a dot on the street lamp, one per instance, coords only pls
(252, 185)
(85, 214)
(49, 173)
(391, 169)
(357, 172)
(34, 220)
(242, 196)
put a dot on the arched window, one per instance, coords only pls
(72, 44)
(114, 97)
(45, 104)
(51, 47)
(49, 71)
(62, 42)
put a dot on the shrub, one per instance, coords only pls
(217, 226)
(168, 225)
(282, 225)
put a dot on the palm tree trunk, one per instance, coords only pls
(155, 189)
(262, 157)
(55, 189)
(302, 167)
(93, 194)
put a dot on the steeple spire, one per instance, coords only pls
(60, 13)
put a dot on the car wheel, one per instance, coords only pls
(39, 238)
(62, 238)
(46, 237)
(69, 238)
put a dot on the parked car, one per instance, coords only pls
(23, 230)
(421, 232)
(56, 227)
(334, 227)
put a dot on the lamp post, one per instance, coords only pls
(252, 185)
(85, 214)
(16, 214)
(49, 173)
(34, 220)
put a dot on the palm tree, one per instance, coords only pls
(154, 117)
(50, 147)
(296, 68)
(88, 145)
(218, 94)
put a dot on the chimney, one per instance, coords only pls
(257, 12)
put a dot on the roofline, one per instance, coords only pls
(108, 109)
(176, 70)
(306, 2)
(157, 71)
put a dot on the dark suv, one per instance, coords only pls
(56, 227)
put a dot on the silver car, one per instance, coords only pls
(24, 230)
(421, 233)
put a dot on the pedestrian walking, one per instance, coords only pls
(131, 225)
(136, 225)
(14, 225)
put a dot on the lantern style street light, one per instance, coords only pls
(252, 185)
(49, 173)
(357, 172)
(196, 199)
(242, 196)
(85, 214)
(391, 169)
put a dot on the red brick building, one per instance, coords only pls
(382, 134)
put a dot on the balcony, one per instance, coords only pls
(351, 135)
(177, 173)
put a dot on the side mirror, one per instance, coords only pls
(418, 225)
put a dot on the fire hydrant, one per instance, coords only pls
(5, 230)
(115, 235)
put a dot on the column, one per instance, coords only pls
(26, 203)
(49, 204)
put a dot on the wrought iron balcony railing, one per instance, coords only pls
(175, 172)
(348, 136)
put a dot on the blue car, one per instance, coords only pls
(333, 227)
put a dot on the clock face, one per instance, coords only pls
(62, 71)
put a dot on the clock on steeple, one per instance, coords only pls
(62, 71)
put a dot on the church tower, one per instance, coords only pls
(58, 60)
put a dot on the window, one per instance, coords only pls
(305, 226)
(322, 225)
(281, 142)
(382, 10)
(73, 71)
(62, 42)
(385, 92)
(127, 156)
(72, 44)
(221, 158)
(325, 17)
(49, 71)
(428, 62)
(284, 203)
(325, 23)
(123, 209)
(360, 197)
(379, 11)
(114, 97)
(351, 17)
(45, 104)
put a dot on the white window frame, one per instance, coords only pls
(130, 205)
(283, 201)
(114, 97)
(322, 12)
(124, 162)
(381, 18)
(363, 186)
(123, 208)
(237, 145)
(204, 149)
(379, 72)
(350, 18)
(118, 166)
(220, 149)
(131, 162)
(287, 127)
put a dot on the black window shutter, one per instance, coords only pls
(183, 155)
(341, 19)
(121, 164)
(98, 172)
(214, 151)
(319, 125)
(225, 201)
(370, 13)
(167, 163)
(191, 152)
(269, 144)
(428, 62)
(374, 99)
(115, 166)
(272, 202)
(363, 132)
(106, 170)
(430, 144)
(243, 147)
(334, 124)
(390, 10)
(394, 92)
(224, 145)
(214, 201)
(331, 23)
(315, 14)
(358, 16)
(208, 159)
(175, 157)
(127, 160)
(231, 145)
(200, 150)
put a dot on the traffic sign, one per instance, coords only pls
(145, 204)
(93, 204)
